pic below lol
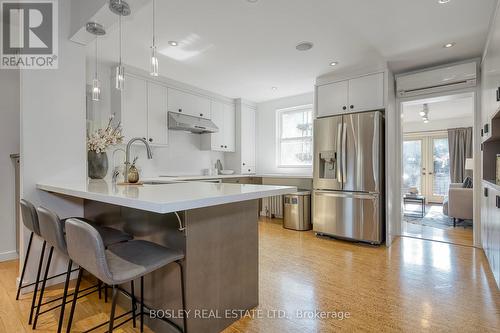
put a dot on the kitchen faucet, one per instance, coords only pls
(127, 154)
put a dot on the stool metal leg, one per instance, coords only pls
(134, 303)
(40, 263)
(142, 304)
(75, 297)
(183, 297)
(113, 308)
(42, 290)
(105, 293)
(24, 266)
(65, 295)
(99, 288)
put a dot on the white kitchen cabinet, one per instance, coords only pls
(490, 227)
(366, 93)
(333, 98)
(229, 127)
(223, 117)
(142, 109)
(242, 161)
(247, 140)
(355, 95)
(133, 101)
(190, 104)
(157, 114)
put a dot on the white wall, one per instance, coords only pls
(439, 124)
(266, 133)
(9, 144)
(53, 127)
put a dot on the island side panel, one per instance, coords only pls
(222, 272)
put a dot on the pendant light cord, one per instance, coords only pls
(96, 38)
(154, 23)
(120, 42)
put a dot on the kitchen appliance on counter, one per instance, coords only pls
(348, 176)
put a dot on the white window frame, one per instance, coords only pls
(279, 113)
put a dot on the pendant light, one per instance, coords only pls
(154, 59)
(97, 30)
(120, 8)
(120, 70)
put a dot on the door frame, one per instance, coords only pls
(477, 176)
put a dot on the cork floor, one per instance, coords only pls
(414, 286)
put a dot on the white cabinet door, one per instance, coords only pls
(332, 98)
(229, 128)
(247, 140)
(217, 139)
(186, 103)
(134, 113)
(157, 114)
(366, 93)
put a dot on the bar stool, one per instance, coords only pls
(52, 231)
(118, 264)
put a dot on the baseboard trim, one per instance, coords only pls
(9, 255)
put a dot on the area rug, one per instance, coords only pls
(434, 217)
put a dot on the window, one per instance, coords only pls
(295, 127)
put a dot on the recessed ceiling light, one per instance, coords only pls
(334, 63)
(252, 1)
(274, 88)
(448, 45)
(173, 43)
(304, 46)
(443, 1)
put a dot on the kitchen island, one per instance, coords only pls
(214, 224)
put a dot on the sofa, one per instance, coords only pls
(459, 203)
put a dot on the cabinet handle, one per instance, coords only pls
(486, 128)
(498, 201)
(482, 132)
(498, 94)
(344, 107)
(485, 191)
(352, 106)
(150, 139)
(144, 139)
(225, 146)
(201, 114)
(248, 170)
(243, 163)
(222, 146)
(180, 110)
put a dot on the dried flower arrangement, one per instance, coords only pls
(101, 139)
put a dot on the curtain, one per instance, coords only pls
(460, 146)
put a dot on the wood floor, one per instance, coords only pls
(457, 235)
(416, 285)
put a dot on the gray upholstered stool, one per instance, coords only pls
(118, 264)
(51, 229)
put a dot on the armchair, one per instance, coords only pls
(459, 203)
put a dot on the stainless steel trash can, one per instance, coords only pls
(297, 212)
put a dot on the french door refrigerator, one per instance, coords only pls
(348, 183)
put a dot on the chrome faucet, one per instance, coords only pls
(127, 154)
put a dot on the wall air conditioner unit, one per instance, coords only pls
(437, 80)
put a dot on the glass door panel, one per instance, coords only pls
(412, 165)
(440, 172)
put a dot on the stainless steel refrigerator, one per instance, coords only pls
(348, 196)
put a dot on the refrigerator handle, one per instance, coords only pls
(338, 160)
(344, 152)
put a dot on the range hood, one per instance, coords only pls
(183, 122)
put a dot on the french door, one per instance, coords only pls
(426, 165)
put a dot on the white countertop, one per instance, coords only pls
(201, 177)
(164, 198)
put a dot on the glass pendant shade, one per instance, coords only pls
(119, 77)
(154, 62)
(96, 90)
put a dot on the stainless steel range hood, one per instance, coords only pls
(183, 122)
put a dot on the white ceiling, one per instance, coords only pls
(441, 108)
(242, 49)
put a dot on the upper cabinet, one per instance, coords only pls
(223, 115)
(364, 93)
(187, 103)
(142, 110)
(247, 140)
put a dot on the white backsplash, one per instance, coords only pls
(182, 156)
